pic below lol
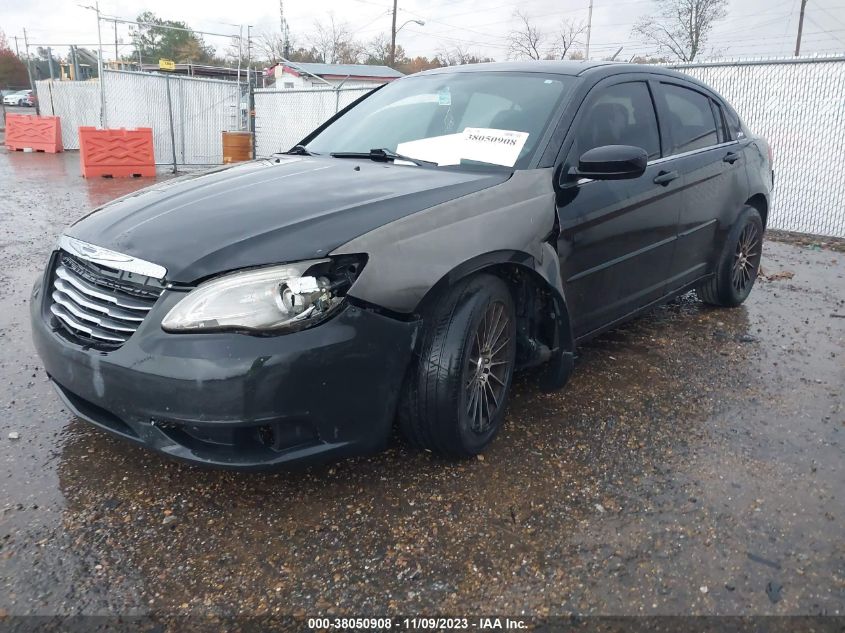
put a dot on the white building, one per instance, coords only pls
(301, 76)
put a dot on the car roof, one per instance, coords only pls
(559, 67)
(574, 68)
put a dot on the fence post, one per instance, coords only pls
(250, 114)
(170, 115)
(182, 109)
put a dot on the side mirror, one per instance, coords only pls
(612, 162)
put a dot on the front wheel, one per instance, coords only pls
(738, 264)
(454, 398)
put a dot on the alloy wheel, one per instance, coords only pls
(487, 367)
(746, 259)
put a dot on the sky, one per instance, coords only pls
(752, 28)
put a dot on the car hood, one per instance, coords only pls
(268, 211)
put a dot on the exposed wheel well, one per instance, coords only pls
(540, 312)
(758, 201)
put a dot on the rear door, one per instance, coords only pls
(617, 237)
(711, 163)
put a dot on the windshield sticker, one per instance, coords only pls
(443, 150)
(499, 147)
(444, 97)
(484, 145)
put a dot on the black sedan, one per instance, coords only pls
(402, 262)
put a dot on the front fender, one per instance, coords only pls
(407, 257)
(507, 223)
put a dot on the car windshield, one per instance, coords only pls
(452, 118)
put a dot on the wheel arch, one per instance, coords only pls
(526, 278)
(761, 203)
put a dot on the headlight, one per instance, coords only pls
(288, 297)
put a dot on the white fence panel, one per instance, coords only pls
(76, 102)
(198, 109)
(190, 122)
(202, 111)
(799, 106)
(285, 117)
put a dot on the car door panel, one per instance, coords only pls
(616, 237)
(713, 187)
(714, 177)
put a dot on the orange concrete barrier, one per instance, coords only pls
(33, 133)
(117, 153)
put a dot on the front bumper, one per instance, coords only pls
(233, 400)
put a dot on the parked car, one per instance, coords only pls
(22, 98)
(402, 262)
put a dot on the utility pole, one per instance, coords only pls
(284, 29)
(29, 70)
(590, 29)
(800, 28)
(50, 63)
(393, 36)
(116, 55)
(17, 51)
(100, 72)
(28, 60)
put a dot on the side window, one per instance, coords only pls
(691, 119)
(734, 124)
(622, 114)
(721, 127)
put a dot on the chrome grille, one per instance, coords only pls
(96, 306)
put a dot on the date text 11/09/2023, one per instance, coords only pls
(418, 623)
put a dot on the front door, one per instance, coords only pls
(617, 237)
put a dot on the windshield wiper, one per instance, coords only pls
(300, 150)
(383, 155)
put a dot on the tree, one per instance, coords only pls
(418, 64)
(12, 69)
(569, 35)
(335, 43)
(648, 59)
(458, 55)
(527, 40)
(154, 42)
(378, 52)
(680, 28)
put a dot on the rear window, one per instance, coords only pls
(691, 119)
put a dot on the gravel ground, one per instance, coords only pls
(694, 464)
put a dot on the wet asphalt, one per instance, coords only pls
(694, 464)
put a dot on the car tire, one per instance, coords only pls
(739, 263)
(454, 397)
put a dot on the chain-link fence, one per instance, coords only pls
(187, 114)
(799, 106)
(76, 102)
(285, 117)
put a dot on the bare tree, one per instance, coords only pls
(457, 55)
(569, 35)
(527, 40)
(269, 45)
(335, 42)
(680, 28)
(378, 50)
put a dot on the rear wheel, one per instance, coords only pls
(739, 263)
(455, 396)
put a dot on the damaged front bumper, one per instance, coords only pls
(234, 400)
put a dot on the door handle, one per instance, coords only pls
(665, 177)
(731, 157)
